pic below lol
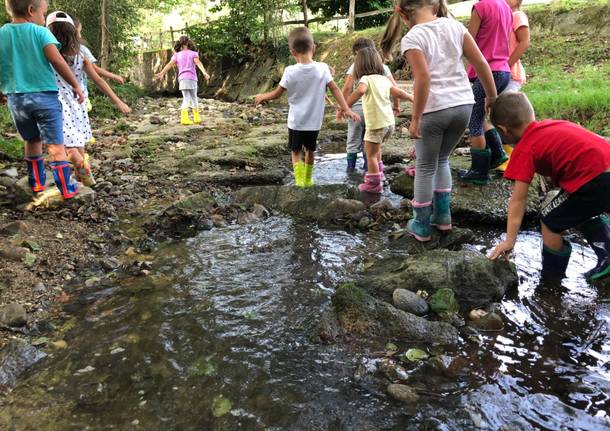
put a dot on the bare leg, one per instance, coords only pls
(372, 156)
(33, 148)
(297, 156)
(551, 240)
(309, 157)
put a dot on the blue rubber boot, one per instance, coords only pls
(555, 262)
(64, 180)
(419, 225)
(479, 172)
(351, 162)
(37, 176)
(597, 233)
(441, 210)
(494, 143)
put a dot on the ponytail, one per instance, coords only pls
(391, 34)
(442, 11)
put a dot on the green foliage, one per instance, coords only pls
(10, 148)
(103, 107)
(341, 7)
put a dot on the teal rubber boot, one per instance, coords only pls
(441, 210)
(419, 225)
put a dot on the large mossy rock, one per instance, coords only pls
(361, 314)
(324, 203)
(471, 203)
(476, 280)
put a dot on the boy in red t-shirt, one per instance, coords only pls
(576, 160)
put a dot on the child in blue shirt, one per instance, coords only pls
(28, 55)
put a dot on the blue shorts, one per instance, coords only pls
(38, 116)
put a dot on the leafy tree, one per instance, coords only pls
(330, 8)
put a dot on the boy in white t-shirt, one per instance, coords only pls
(306, 84)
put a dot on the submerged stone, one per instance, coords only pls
(403, 393)
(410, 302)
(16, 357)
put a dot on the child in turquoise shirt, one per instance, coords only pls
(28, 55)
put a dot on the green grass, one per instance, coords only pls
(10, 148)
(103, 107)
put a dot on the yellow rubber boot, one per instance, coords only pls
(308, 181)
(184, 118)
(299, 174)
(196, 117)
(85, 174)
(508, 149)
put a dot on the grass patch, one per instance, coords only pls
(103, 107)
(10, 148)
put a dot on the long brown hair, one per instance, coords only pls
(182, 42)
(367, 62)
(393, 29)
(66, 34)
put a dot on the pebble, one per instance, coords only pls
(10, 172)
(40, 287)
(488, 322)
(13, 253)
(14, 228)
(364, 222)
(13, 315)
(87, 369)
(410, 302)
(403, 393)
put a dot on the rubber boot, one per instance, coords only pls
(308, 177)
(85, 174)
(597, 233)
(62, 172)
(184, 118)
(555, 262)
(381, 168)
(196, 117)
(508, 150)
(479, 172)
(419, 225)
(299, 174)
(494, 144)
(441, 210)
(37, 177)
(372, 184)
(351, 162)
(365, 165)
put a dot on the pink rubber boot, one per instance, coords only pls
(372, 184)
(381, 169)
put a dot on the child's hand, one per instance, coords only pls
(505, 249)
(124, 108)
(159, 76)
(207, 77)
(396, 110)
(339, 115)
(78, 94)
(259, 99)
(489, 103)
(351, 114)
(119, 79)
(415, 129)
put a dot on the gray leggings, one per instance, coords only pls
(189, 99)
(441, 131)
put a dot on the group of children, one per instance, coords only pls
(43, 72)
(43, 78)
(448, 99)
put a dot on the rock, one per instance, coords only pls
(218, 220)
(410, 302)
(260, 211)
(443, 302)
(14, 228)
(16, 357)
(480, 204)
(327, 328)
(382, 205)
(59, 344)
(13, 315)
(202, 201)
(403, 393)
(476, 280)
(451, 240)
(393, 371)
(13, 253)
(448, 366)
(488, 322)
(51, 197)
(7, 182)
(247, 218)
(360, 313)
(322, 203)
(364, 222)
(40, 288)
(10, 172)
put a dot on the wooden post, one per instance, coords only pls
(105, 35)
(161, 39)
(351, 26)
(171, 30)
(305, 18)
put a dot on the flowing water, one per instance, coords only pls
(216, 338)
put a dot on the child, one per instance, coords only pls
(76, 127)
(434, 47)
(28, 54)
(491, 26)
(376, 89)
(519, 43)
(578, 161)
(306, 84)
(355, 130)
(186, 57)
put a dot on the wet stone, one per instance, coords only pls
(488, 322)
(13, 315)
(16, 357)
(403, 393)
(410, 302)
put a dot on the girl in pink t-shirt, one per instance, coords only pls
(186, 58)
(491, 26)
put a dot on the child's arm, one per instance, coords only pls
(272, 95)
(395, 99)
(516, 210)
(398, 94)
(523, 43)
(341, 101)
(475, 23)
(476, 59)
(357, 94)
(107, 74)
(199, 64)
(159, 76)
(105, 88)
(421, 89)
(61, 67)
(347, 86)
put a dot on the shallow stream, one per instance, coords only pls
(217, 337)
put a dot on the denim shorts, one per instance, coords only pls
(37, 116)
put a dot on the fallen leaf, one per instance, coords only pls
(415, 355)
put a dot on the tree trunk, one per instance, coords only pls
(305, 18)
(105, 35)
(352, 16)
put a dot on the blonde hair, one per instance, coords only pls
(367, 62)
(512, 110)
(393, 29)
(19, 8)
